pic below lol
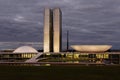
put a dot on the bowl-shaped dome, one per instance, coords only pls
(25, 49)
(91, 48)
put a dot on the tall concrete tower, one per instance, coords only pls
(57, 30)
(52, 30)
(48, 30)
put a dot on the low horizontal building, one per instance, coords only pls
(88, 54)
(18, 55)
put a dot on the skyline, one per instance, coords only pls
(89, 22)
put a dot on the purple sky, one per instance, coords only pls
(89, 21)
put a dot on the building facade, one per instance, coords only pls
(48, 30)
(52, 30)
(57, 30)
(83, 58)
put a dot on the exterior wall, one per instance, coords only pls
(48, 30)
(15, 57)
(78, 57)
(57, 15)
(72, 57)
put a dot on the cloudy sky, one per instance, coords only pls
(89, 21)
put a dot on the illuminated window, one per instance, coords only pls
(102, 55)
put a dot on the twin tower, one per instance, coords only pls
(52, 30)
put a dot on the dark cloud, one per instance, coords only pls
(89, 21)
(14, 45)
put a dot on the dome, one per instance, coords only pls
(91, 48)
(25, 49)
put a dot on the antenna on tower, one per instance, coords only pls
(67, 40)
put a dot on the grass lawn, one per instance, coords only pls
(59, 72)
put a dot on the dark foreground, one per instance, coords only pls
(60, 72)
